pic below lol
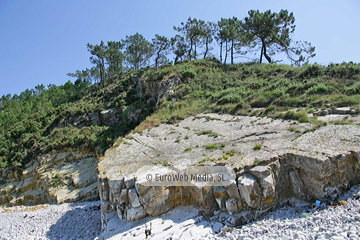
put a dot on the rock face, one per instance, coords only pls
(67, 176)
(287, 166)
(156, 90)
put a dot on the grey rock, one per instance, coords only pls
(249, 190)
(134, 214)
(133, 198)
(217, 227)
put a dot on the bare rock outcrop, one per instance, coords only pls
(271, 164)
(58, 177)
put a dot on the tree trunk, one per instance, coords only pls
(261, 54)
(206, 47)
(221, 45)
(190, 50)
(226, 51)
(232, 52)
(266, 56)
(195, 51)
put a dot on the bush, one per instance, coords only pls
(311, 71)
(301, 116)
(257, 147)
(320, 89)
(211, 147)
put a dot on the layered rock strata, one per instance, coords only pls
(273, 166)
(57, 177)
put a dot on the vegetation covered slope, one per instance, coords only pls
(38, 121)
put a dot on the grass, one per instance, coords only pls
(188, 149)
(300, 115)
(164, 164)
(31, 126)
(292, 129)
(208, 132)
(202, 160)
(211, 147)
(257, 147)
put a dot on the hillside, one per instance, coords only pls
(280, 134)
(77, 115)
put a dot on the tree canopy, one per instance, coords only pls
(138, 51)
(273, 32)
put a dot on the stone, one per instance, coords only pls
(133, 198)
(313, 166)
(94, 118)
(232, 190)
(129, 181)
(249, 190)
(231, 205)
(220, 195)
(297, 185)
(63, 176)
(123, 197)
(268, 190)
(134, 214)
(108, 116)
(260, 171)
(217, 227)
(120, 211)
(155, 200)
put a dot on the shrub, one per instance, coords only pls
(205, 132)
(256, 161)
(320, 89)
(270, 109)
(301, 116)
(211, 147)
(203, 160)
(292, 129)
(257, 147)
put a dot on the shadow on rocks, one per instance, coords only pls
(81, 222)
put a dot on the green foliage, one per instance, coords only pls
(161, 47)
(50, 118)
(301, 116)
(292, 129)
(231, 153)
(211, 147)
(188, 149)
(257, 147)
(205, 132)
(275, 29)
(137, 51)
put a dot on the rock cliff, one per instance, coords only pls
(58, 177)
(273, 165)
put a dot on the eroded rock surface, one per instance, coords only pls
(59, 177)
(273, 166)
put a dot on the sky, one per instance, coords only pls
(43, 40)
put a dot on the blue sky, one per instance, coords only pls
(41, 41)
